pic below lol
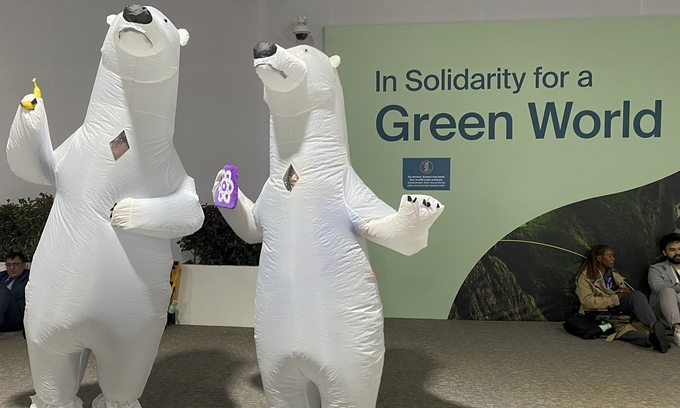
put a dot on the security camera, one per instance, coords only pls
(301, 29)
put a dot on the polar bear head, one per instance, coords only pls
(296, 80)
(142, 45)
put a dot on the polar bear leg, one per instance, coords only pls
(349, 381)
(57, 374)
(354, 386)
(124, 365)
(288, 388)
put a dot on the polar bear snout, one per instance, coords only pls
(135, 13)
(264, 49)
(142, 44)
(278, 69)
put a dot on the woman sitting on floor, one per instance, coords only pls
(600, 287)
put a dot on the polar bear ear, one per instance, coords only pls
(183, 36)
(335, 61)
(110, 19)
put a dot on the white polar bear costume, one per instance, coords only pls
(318, 316)
(100, 276)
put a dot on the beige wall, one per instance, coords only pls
(221, 117)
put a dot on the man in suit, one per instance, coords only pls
(664, 279)
(12, 285)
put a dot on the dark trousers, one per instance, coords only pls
(11, 318)
(635, 303)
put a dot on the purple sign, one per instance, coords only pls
(226, 194)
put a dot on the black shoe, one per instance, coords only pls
(658, 338)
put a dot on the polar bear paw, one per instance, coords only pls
(36, 402)
(420, 209)
(32, 112)
(121, 213)
(102, 402)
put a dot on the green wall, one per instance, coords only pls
(498, 184)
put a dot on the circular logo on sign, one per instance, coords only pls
(426, 167)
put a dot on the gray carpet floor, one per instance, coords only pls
(428, 364)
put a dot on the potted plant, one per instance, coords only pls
(217, 244)
(217, 286)
(22, 223)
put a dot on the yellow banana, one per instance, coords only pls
(36, 90)
(30, 105)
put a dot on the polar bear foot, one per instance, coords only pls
(36, 402)
(102, 402)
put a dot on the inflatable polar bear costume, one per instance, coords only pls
(318, 316)
(92, 286)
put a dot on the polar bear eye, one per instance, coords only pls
(306, 50)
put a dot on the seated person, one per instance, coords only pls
(12, 285)
(665, 283)
(600, 287)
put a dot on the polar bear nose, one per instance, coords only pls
(264, 49)
(135, 13)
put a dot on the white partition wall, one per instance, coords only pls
(216, 295)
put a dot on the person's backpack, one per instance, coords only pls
(586, 327)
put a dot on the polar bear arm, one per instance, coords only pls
(175, 215)
(29, 148)
(405, 231)
(242, 219)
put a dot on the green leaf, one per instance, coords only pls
(21, 224)
(217, 244)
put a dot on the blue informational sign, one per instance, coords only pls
(427, 173)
